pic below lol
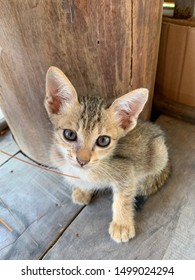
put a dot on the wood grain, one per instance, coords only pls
(146, 26)
(173, 108)
(105, 47)
(37, 207)
(175, 77)
(165, 225)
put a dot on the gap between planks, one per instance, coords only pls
(64, 229)
(11, 157)
(61, 233)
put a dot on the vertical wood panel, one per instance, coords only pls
(147, 18)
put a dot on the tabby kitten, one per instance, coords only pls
(106, 147)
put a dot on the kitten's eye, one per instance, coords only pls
(70, 135)
(103, 141)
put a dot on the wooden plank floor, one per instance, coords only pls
(46, 224)
(8, 145)
(34, 203)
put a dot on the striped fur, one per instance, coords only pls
(91, 111)
(135, 163)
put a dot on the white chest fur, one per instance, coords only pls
(85, 177)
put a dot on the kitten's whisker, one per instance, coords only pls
(38, 166)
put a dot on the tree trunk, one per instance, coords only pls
(105, 47)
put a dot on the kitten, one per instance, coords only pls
(106, 147)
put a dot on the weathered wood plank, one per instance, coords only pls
(182, 146)
(165, 225)
(144, 52)
(173, 108)
(36, 205)
(8, 145)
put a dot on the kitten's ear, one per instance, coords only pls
(127, 108)
(60, 93)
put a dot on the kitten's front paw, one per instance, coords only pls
(81, 197)
(121, 233)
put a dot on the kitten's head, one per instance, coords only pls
(86, 130)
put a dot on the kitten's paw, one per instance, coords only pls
(81, 197)
(121, 233)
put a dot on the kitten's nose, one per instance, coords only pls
(83, 156)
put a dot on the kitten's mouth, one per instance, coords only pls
(81, 167)
(76, 164)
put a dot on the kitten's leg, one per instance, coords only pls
(122, 226)
(81, 196)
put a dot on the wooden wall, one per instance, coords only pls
(105, 47)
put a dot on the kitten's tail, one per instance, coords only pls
(153, 183)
